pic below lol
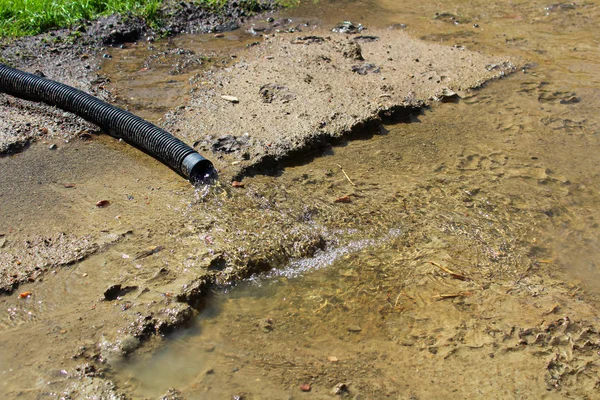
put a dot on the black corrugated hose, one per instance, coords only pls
(114, 121)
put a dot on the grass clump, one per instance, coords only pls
(31, 17)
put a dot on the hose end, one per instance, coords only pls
(198, 169)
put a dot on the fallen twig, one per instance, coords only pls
(450, 272)
(397, 298)
(346, 175)
(322, 307)
(452, 295)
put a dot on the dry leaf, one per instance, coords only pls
(343, 199)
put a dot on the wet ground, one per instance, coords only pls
(452, 255)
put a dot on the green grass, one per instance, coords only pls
(30, 17)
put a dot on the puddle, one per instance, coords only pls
(477, 194)
(376, 317)
(488, 201)
(496, 185)
(141, 73)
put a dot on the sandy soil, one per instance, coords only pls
(293, 93)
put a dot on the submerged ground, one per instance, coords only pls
(451, 254)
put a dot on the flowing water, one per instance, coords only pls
(500, 187)
(466, 262)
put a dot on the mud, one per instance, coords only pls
(436, 258)
(296, 93)
(72, 56)
(332, 92)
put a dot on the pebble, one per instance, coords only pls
(354, 328)
(305, 388)
(53, 147)
(332, 359)
(343, 199)
(102, 203)
(210, 348)
(232, 99)
(340, 389)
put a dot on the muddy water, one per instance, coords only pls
(463, 264)
(166, 70)
(379, 315)
(488, 234)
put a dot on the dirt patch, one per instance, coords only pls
(71, 56)
(291, 93)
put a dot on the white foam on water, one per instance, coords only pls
(323, 258)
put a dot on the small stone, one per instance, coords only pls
(570, 100)
(210, 348)
(85, 136)
(267, 325)
(340, 389)
(354, 328)
(53, 146)
(365, 69)
(172, 394)
(343, 199)
(232, 99)
(332, 359)
(219, 35)
(102, 203)
(237, 184)
(305, 387)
